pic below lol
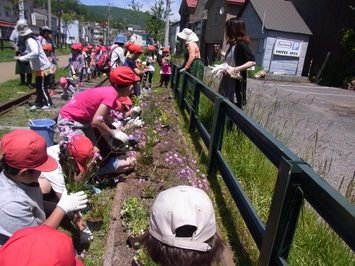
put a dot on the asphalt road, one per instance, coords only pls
(7, 69)
(318, 124)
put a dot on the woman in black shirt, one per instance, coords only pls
(240, 58)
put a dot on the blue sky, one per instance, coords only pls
(124, 4)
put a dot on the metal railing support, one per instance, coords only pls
(217, 131)
(283, 216)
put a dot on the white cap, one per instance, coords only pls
(188, 35)
(179, 206)
(22, 28)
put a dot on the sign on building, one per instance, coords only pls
(286, 47)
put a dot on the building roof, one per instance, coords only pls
(279, 15)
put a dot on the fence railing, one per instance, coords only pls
(296, 180)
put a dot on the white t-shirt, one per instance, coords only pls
(56, 177)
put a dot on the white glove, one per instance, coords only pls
(72, 202)
(136, 109)
(117, 124)
(182, 70)
(117, 134)
(137, 122)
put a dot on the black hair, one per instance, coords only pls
(8, 170)
(174, 256)
(69, 166)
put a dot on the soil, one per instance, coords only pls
(159, 175)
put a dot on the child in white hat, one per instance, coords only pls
(182, 229)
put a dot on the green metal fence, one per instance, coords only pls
(295, 182)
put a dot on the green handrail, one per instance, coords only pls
(295, 182)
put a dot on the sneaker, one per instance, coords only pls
(34, 107)
(86, 235)
(47, 107)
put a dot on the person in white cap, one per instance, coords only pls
(39, 63)
(193, 62)
(182, 229)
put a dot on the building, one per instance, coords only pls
(9, 14)
(70, 32)
(279, 36)
(218, 12)
(174, 42)
(327, 19)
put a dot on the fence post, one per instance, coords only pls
(194, 106)
(217, 130)
(285, 207)
(173, 73)
(183, 90)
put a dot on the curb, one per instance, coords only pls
(114, 220)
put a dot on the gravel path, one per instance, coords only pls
(320, 123)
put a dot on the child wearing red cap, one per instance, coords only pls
(48, 50)
(21, 201)
(80, 157)
(76, 62)
(135, 51)
(39, 245)
(165, 70)
(150, 62)
(89, 109)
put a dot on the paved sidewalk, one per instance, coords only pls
(8, 68)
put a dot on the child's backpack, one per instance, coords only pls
(104, 62)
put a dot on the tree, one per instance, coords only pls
(155, 21)
(135, 6)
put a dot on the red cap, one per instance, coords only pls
(151, 47)
(123, 75)
(26, 149)
(85, 49)
(47, 47)
(97, 48)
(76, 46)
(166, 50)
(81, 148)
(80, 45)
(39, 245)
(89, 46)
(134, 48)
(103, 48)
(125, 100)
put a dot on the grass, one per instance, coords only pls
(7, 55)
(314, 244)
(20, 117)
(93, 254)
(12, 89)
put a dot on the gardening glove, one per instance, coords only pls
(117, 124)
(182, 70)
(136, 109)
(72, 202)
(119, 135)
(138, 122)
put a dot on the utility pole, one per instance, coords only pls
(167, 22)
(21, 9)
(108, 23)
(50, 14)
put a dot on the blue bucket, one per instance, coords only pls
(45, 128)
